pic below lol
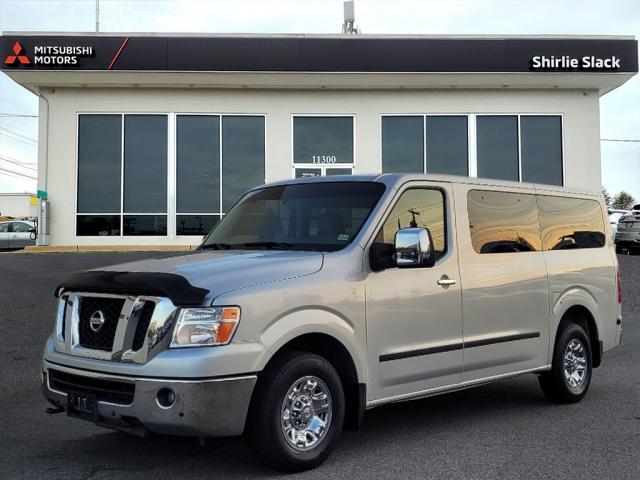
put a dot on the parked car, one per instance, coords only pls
(628, 232)
(316, 299)
(16, 234)
(614, 218)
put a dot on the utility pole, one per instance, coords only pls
(97, 16)
(349, 25)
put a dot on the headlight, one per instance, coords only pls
(200, 327)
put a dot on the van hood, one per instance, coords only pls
(219, 272)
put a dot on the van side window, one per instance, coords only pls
(417, 207)
(502, 222)
(569, 223)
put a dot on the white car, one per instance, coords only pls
(614, 218)
(17, 234)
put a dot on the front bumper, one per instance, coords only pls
(214, 407)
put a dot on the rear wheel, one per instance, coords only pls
(570, 374)
(297, 412)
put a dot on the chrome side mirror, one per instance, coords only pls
(414, 248)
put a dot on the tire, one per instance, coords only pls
(565, 384)
(270, 413)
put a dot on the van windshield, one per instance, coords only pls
(312, 216)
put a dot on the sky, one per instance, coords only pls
(619, 110)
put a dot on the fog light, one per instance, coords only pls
(165, 398)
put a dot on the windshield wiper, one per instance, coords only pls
(216, 246)
(273, 245)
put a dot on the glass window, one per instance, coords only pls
(198, 163)
(417, 207)
(541, 147)
(20, 227)
(145, 225)
(315, 216)
(308, 172)
(98, 225)
(447, 145)
(242, 156)
(497, 147)
(569, 223)
(403, 144)
(99, 155)
(502, 222)
(195, 224)
(145, 164)
(338, 171)
(4, 227)
(323, 140)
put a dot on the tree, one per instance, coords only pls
(607, 197)
(623, 201)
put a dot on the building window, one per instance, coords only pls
(323, 145)
(403, 144)
(218, 158)
(524, 148)
(122, 175)
(497, 147)
(447, 144)
(431, 143)
(99, 174)
(541, 147)
(503, 222)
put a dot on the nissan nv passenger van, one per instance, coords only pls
(316, 299)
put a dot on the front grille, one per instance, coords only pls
(111, 391)
(143, 325)
(110, 309)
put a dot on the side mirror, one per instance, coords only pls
(414, 248)
(33, 230)
(381, 256)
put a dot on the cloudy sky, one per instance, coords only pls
(620, 110)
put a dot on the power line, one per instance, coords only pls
(629, 140)
(6, 170)
(17, 162)
(18, 115)
(19, 137)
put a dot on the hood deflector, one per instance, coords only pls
(170, 285)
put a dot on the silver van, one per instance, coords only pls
(316, 299)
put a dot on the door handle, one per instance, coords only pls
(446, 281)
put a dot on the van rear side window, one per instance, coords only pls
(503, 222)
(569, 223)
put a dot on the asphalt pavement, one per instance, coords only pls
(504, 430)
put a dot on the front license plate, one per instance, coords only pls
(82, 405)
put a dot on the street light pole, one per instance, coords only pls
(97, 16)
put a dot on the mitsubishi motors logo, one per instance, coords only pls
(11, 59)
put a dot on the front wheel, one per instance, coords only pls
(297, 412)
(570, 374)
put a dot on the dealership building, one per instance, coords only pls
(149, 139)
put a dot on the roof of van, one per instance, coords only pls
(395, 180)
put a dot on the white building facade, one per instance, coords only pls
(150, 140)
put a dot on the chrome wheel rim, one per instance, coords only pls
(575, 364)
(306, 413)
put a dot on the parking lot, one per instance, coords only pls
(504, 430)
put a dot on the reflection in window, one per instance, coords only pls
(569, 223)
(145, 225)
(98, 225)
(195, 224)
(502, 222)
(417, 207)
